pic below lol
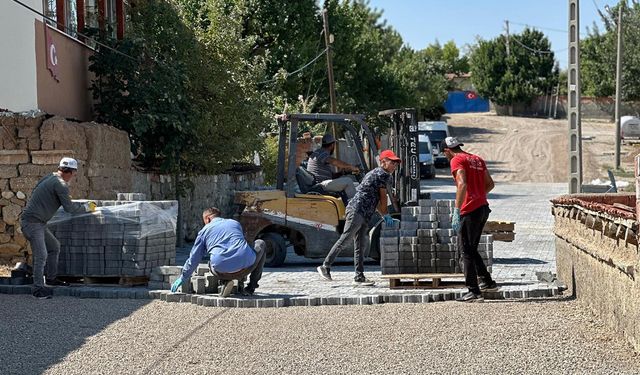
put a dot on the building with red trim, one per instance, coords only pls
(45, 60)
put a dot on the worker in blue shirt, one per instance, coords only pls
(230, 256)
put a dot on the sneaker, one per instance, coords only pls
(56, 282)
(42, 293)
(361, 280)
(470, 297)
(226, 289)
(325, 272)
(248, 290)
(490, 286)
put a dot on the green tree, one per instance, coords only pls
(422, 81)
(187, 94)
(447, 57)
(598, 55)
(520, 77)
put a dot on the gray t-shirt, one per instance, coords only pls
(50, 193)
(318, 165)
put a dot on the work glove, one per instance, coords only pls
(176, 284)
(90, 206)
(455, 220)
(388, 220)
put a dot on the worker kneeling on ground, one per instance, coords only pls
(51, 192)
(230, 256)
(473, 183)
(319, 165)
(370, 194)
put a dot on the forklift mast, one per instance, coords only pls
(403, 140)
(288, 128)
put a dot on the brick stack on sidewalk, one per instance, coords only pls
(423, 241)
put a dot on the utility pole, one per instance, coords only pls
(573, 103)
(506, 28)
(327, 42)
(618, 83)
(555, 110)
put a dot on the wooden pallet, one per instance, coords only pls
(107, 280)
(418, 281)
(499, 226)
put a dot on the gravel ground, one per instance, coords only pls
(76, 336)
(5, 270)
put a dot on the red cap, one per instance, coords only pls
(388, 154)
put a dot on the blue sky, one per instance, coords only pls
(421, 22)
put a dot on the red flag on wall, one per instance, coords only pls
(52, 53)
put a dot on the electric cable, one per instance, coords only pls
(67, 29)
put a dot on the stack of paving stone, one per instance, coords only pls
(423, 241)
(202, 281)
(121, 238)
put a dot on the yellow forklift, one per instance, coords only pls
(299, 212)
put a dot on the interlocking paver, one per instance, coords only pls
(514, 263)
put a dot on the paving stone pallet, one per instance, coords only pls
(423, 241)
(122, 238)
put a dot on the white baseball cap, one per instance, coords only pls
(451, 142)
(68, 163)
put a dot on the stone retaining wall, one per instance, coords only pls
(597, 257)
(32, 144)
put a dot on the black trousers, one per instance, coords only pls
(471, 226)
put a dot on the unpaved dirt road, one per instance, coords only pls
(520, 149)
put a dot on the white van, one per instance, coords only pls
(425, 156)
(437, 131)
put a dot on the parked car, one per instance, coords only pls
(425, 151)
(437, 131)
(629, 127)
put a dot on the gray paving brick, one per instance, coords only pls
(408, 225)
(390, 233)
(388, 241)
(408, 211)
(426, 233)
(426, 202)
(427, 225)
(408, 218)
(198, 284)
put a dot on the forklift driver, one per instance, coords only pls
(320, 163)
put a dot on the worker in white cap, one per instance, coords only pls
(51, 192)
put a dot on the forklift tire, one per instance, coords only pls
(276, 249)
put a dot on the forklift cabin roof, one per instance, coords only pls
(344, 120)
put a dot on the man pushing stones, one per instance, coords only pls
(51, 192)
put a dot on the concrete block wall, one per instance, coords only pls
(423, 241)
